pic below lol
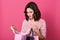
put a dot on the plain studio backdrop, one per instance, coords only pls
(12, 12)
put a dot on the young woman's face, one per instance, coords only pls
(30, 13)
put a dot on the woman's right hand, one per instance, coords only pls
(14, 29)
(13, 26)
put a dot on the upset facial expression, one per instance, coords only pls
(30, 13)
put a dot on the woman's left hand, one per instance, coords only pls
(35, 28)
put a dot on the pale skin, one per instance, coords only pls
(30, 13)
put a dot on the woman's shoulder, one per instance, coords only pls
(24, 21)
(42, 20)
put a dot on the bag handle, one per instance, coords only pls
(32, 32)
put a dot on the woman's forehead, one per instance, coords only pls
(29, 9)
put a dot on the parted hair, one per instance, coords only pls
(34, 7)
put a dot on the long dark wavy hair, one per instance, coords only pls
(34, 7)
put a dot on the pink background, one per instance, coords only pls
(12, 12)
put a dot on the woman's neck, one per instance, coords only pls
(32, 20)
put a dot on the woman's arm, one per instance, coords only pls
(14, 29)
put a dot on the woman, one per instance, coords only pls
(33, 21)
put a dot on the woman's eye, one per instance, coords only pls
(30, 12)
